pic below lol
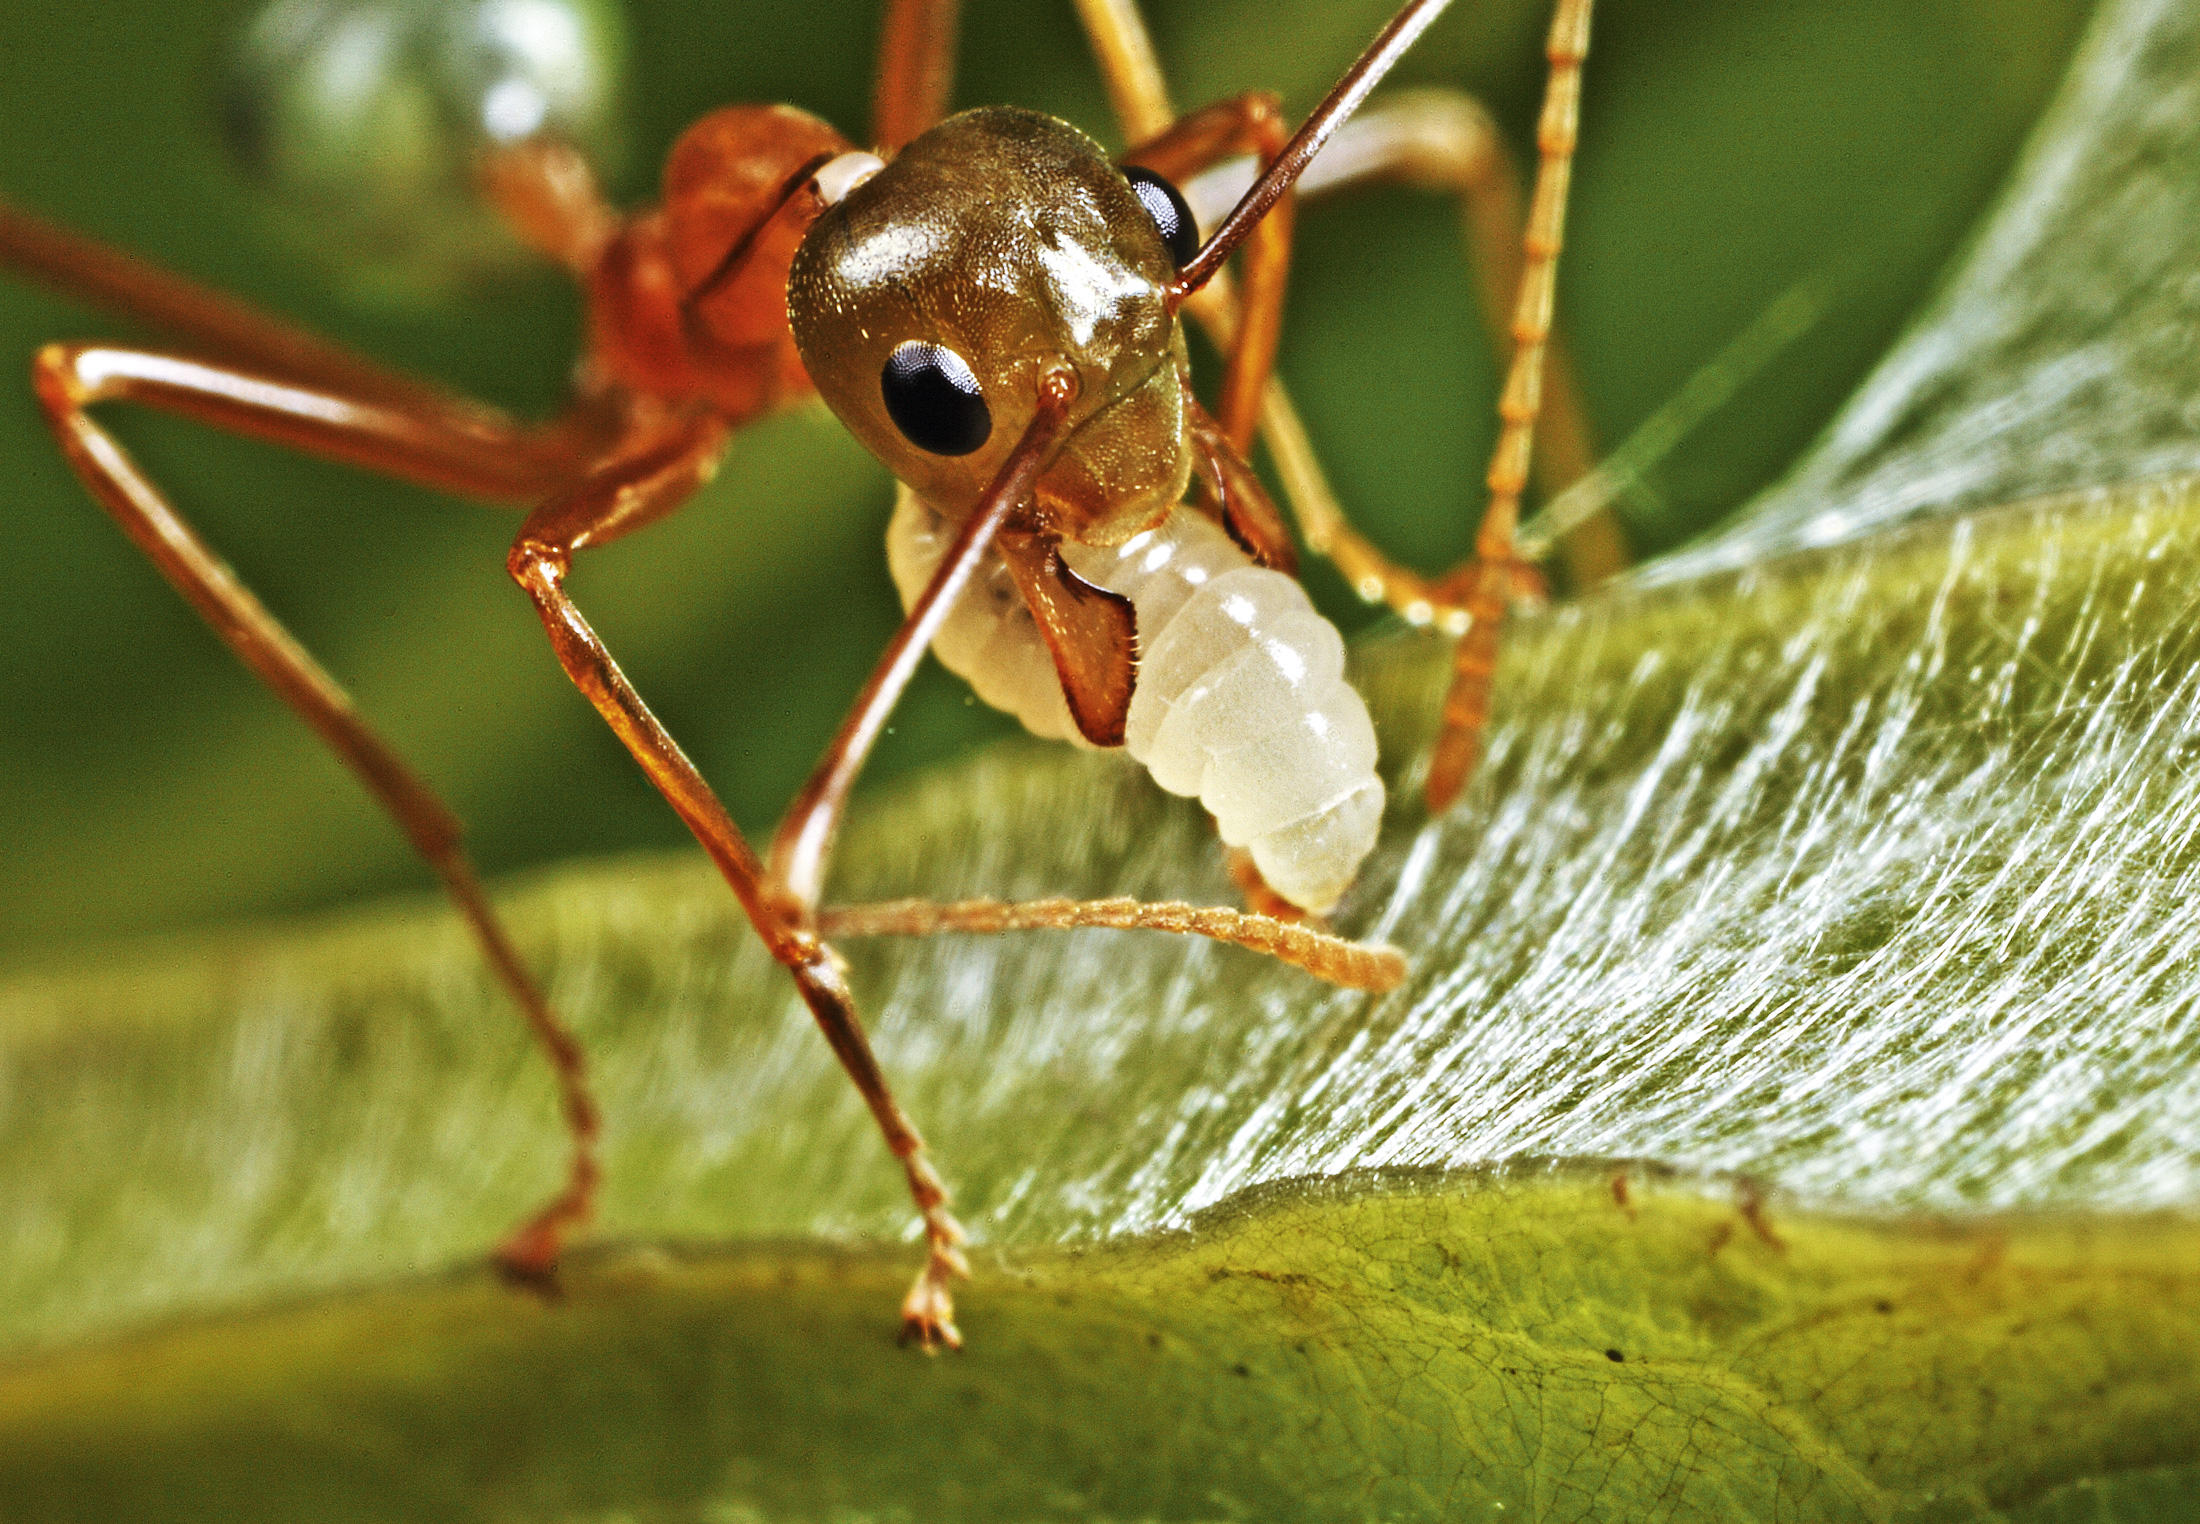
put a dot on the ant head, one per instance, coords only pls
(927, 301)
(934, 293)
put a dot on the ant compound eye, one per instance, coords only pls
(934, 399)
(1172, 219)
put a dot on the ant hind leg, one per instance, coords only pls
(638, 487)
(71, 379)
(1490, 579)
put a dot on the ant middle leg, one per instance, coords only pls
(1426, 139)
(1287, 936)
(1251, 123)
(70, 380)
(1441, 141)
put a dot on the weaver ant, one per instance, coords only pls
(992, 306)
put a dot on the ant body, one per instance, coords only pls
(992, 306)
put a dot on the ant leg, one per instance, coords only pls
(1487, 583)
(1442, 141)
(1178, 149)
(1354, 965)
(1129, 70)
(803, 844)
(1470, 601)
(1139, 96)
(643, 485)
(499, 457)
(549, 195)
(73, 378)
(1245, 873)
(916, 70)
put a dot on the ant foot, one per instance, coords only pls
(928, 1312)
(529, 1260)
(1750, 1203)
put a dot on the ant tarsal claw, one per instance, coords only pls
(532, 1249)
(528, 1260)
(928, 1312)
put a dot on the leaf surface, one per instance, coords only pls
(1852, 885)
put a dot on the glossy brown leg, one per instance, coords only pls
(73, 378)
(506, 459)
(644, 485)
(916, 70)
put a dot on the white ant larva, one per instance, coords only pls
(1241, 698)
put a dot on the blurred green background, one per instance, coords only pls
(1731, 149)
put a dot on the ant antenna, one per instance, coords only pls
(1365, 74)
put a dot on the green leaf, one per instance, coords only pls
(1851, 884)
(1514, 1344)
(1858, 876)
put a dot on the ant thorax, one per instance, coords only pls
(926, 301)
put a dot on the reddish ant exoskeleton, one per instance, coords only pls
(992, 306)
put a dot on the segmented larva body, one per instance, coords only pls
(1241, 698)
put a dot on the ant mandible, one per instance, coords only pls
(992, 306)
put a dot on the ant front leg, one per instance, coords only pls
(630, 491)
(71, 379)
